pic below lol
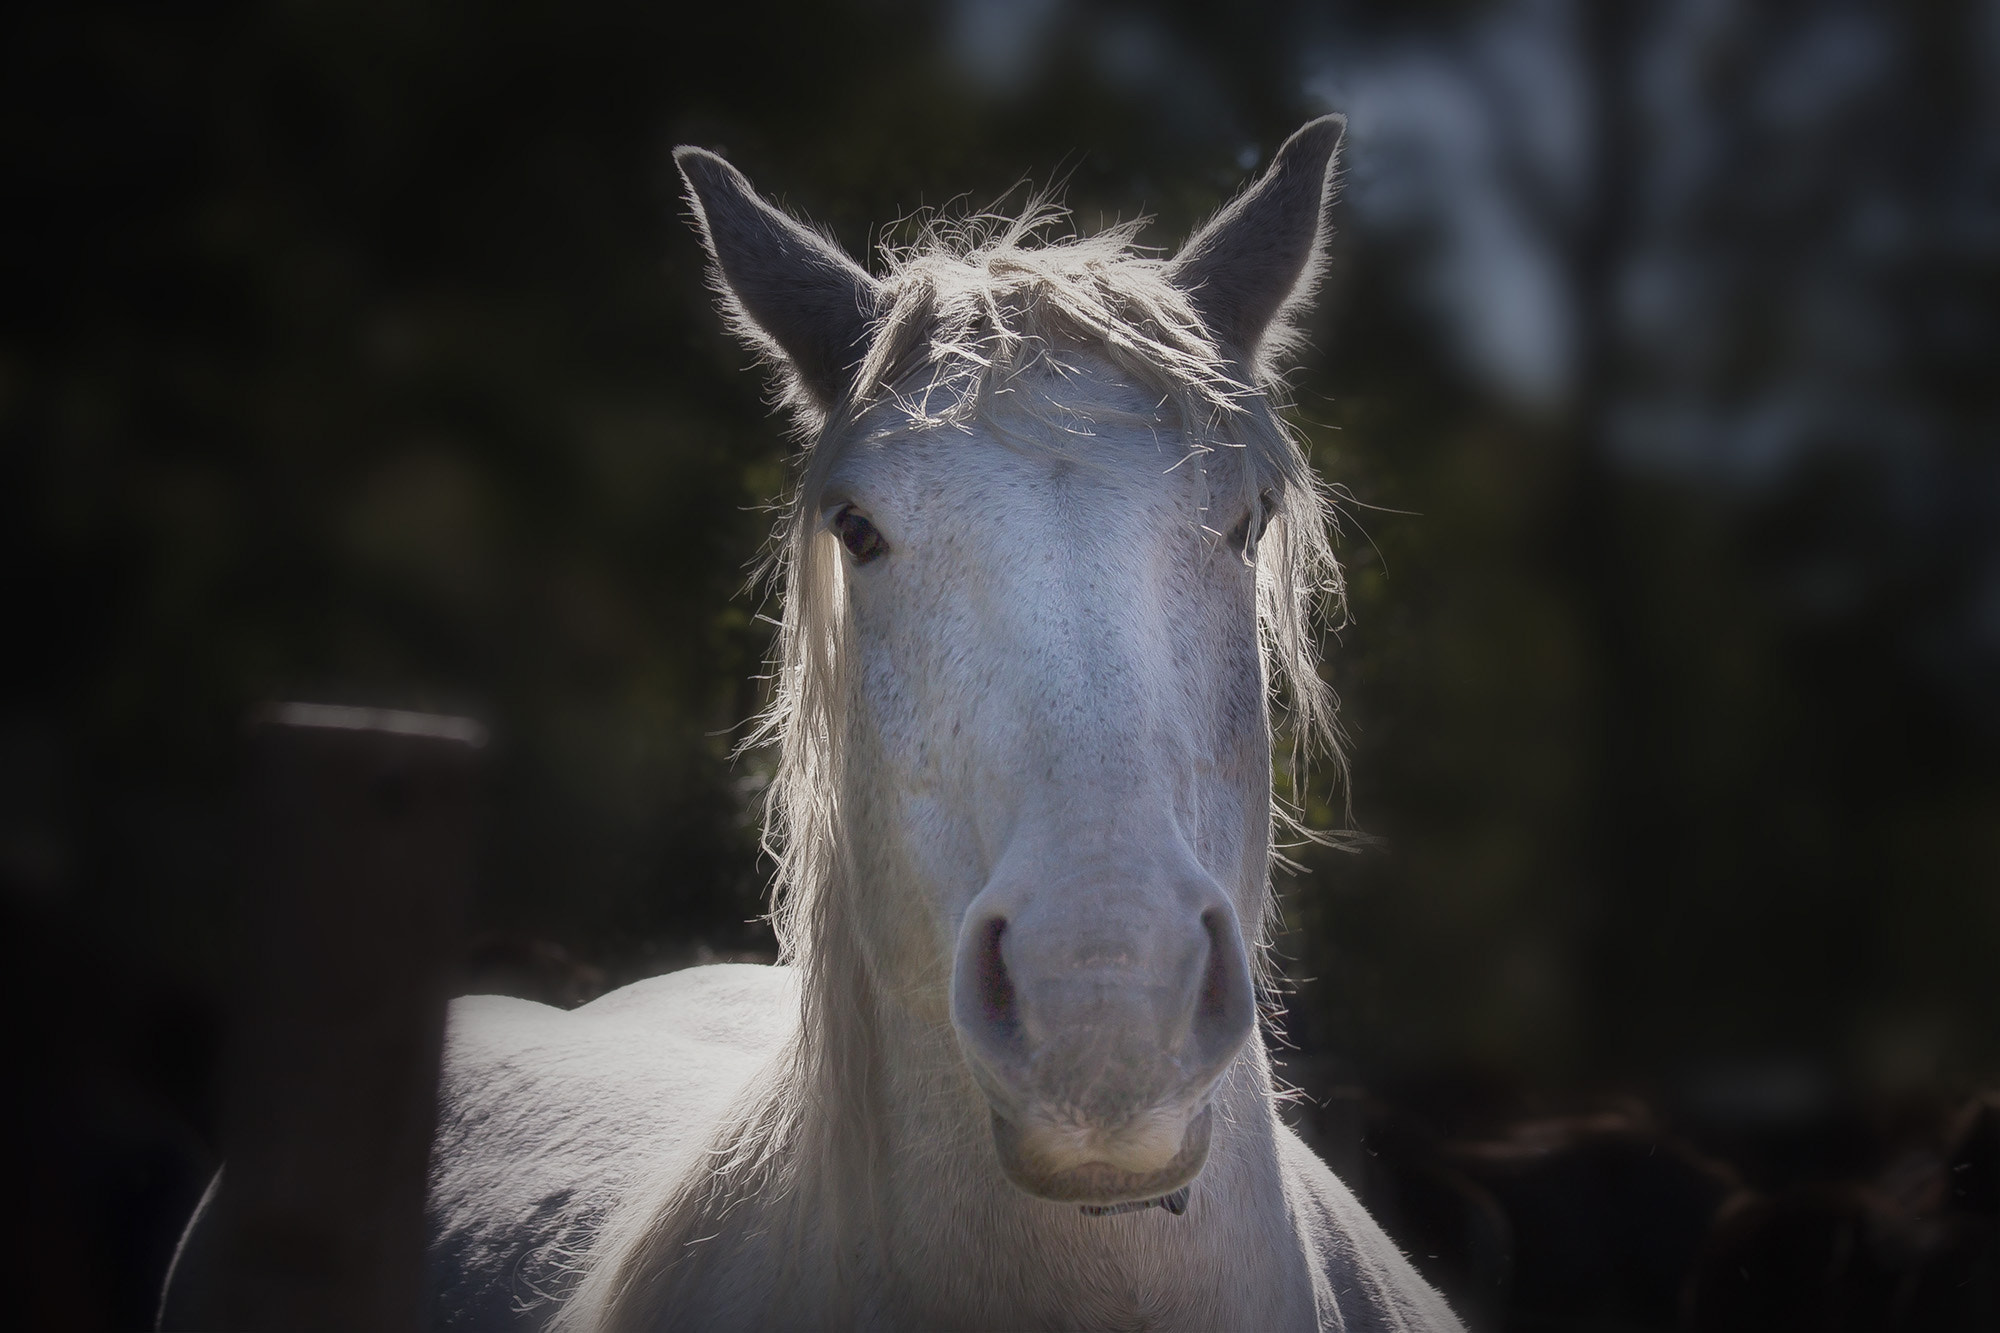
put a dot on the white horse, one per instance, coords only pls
(1051, 553)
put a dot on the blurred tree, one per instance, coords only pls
(1717, 526)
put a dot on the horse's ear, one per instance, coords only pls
(788, 291)
(1261, 253)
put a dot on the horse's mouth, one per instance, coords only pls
(1055, 1175)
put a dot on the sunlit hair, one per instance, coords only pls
(989, 326)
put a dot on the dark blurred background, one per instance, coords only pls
(358, 352)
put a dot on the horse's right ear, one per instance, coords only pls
(789, 292)
(1255, 262)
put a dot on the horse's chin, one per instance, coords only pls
(1073, 1166)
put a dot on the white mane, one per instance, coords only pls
(980, 323)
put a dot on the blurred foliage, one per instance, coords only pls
(358, 352)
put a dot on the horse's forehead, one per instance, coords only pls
(978, 496)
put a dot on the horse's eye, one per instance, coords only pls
(858, 535)
(1267, 505)
(1240, 536)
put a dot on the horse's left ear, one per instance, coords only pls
(785, 289)
(1260, 254)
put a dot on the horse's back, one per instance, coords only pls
(546, 1118)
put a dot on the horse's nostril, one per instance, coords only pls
(1223, 1007)
(996, 989)
(1216, 998)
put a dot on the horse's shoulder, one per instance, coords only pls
(1364, 1275)
(546, 1117)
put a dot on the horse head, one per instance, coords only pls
(1050, 548)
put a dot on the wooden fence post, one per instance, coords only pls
(361, 827)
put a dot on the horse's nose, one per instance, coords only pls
(1098, 1022)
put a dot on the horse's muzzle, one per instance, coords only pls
(1097, 1020)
